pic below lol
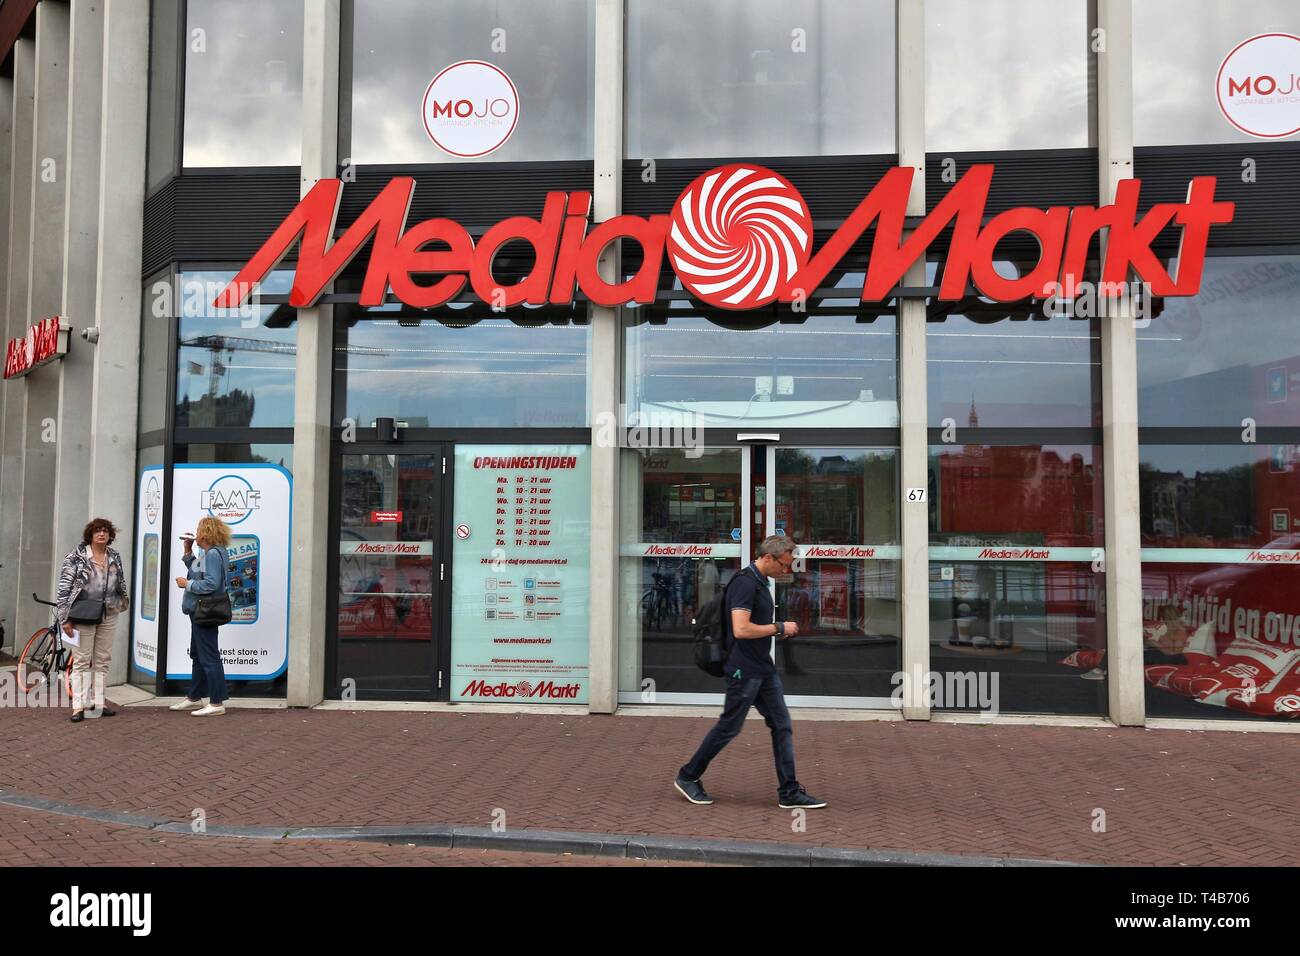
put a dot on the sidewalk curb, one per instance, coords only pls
(578, 843)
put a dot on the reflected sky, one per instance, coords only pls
(1006, 74)
(1178, 47)
(400, 45)
(759, 77)
(243, 83)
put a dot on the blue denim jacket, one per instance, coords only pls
(207, 581)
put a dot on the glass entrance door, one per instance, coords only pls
(389, 573)
(693, 517)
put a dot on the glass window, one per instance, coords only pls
(1221, 580)
(164, 87)
(1178, 47)
(1016, 598)
(235, 367)
(546, 47)
(834, 367)
(1228, 353)
(841, 506)
(1007, 74)
(1000, 365)
(473, 371)
(679, 509)
(759, 78)
(243, 83)
(155, 352)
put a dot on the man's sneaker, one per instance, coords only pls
(187, 704)
(693, 791)
(802, 801)
(212, 710)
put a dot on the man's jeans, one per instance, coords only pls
(767, 694)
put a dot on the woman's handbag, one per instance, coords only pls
(86, 610)
(213, 610)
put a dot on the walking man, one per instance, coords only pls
(752, 679)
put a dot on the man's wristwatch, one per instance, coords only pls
(780, 629)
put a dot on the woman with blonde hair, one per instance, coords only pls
(206, 579)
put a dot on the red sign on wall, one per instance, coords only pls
(40, 345)
(738, 237)
(385, 517)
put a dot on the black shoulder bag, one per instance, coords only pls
(213, 610)
(86, 610)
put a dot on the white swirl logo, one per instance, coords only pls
(739, 234)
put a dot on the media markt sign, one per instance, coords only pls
(470, 109)
(1258, 85)
(44, 342)
(739, 237)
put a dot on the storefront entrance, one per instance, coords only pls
(698, 514)
(392, 531)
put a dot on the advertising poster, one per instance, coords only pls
(521, 573)
(256, 501)
(148, 573)
(833, 597)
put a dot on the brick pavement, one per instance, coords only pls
(36, 838)
(1170, 797)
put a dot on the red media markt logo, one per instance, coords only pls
(739, 234)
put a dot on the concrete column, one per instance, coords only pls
(19, 251)
(80, 244)
(124, 96)
(914, 583)
(36, 572)
(6, 172)
(308, 625)
(1119, 400)
(606, 352)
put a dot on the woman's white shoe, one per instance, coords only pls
(212, 710)
(187, 704)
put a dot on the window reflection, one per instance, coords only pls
(234, 367)
(473, 371)
(1006, 74)
(1228, 353)
(398, 46)
(243, 83)
(833, 366)
(1016, 595)
(759, 78)
(1182, 43)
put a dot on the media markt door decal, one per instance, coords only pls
(520, 577)
(256, 501)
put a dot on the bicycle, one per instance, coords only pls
(45, 653)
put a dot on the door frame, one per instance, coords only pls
(440, 635)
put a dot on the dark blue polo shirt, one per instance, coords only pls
(752, 657)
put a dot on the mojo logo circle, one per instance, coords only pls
(739, 233)
(1258, 85)
(470, 108)
(231, 498)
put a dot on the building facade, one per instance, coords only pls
(529, 370)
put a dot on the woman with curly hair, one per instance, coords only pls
(206, 574)
(92, 593)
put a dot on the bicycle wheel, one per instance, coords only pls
(36, 659)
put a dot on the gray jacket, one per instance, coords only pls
(77, 569)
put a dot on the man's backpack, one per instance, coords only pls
(712, 645)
